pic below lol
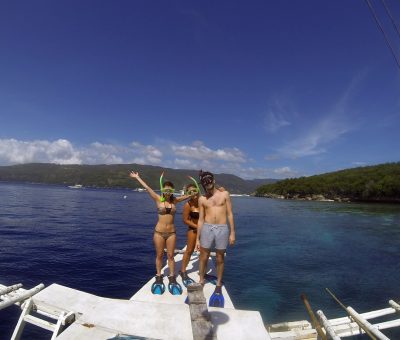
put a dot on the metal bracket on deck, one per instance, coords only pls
(16, 295)
(63, 319)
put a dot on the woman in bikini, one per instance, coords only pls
(164, 233)
(190, 217)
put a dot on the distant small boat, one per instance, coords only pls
(139, 190)
(76, 186)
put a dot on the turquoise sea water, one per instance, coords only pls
(100, 242)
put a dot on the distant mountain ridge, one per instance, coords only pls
(117, 176)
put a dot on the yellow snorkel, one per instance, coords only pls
(196, 184)
(162, 199)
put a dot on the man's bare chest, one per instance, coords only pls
(214, 202)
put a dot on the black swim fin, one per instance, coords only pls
(212, 279)
(174, 287)
(158, 286)
(217, 299)
(186, 279)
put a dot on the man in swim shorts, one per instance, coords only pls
(215, 209)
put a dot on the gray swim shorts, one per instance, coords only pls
(217, 234)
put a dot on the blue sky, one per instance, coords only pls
(260, 89)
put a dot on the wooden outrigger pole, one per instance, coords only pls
(369, 329)
(314, 320)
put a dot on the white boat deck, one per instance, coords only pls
(144, 294)
(97, 315)
(145, 315)
(148, 316)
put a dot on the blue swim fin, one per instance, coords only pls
(186, 279)
(158, 286)
(217, 299)
(174, 287)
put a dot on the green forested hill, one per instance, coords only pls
(370, 183)
(114, 176)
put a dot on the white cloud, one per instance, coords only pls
(319, 134)
(328, 129)
(279, 107)
(274, 121)
(185, 163)
(98, 153)
(199, 151)
(257, 172)
(148, 154)
(194, 156)
(285, 172)
(317, 139)
(60, 151)
(149, 150)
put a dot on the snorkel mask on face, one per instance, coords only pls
(197, 190)
(206, 178)
(164, 192)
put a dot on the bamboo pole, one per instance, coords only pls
(314, 320)
(353, 329)
(360, 324)
(9, 289)
(367, 315)
(376, 332)
(328, 327)
(394, 305)
(23, 296)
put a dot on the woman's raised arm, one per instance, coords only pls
(151, 192)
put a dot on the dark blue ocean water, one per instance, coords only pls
(97, 241)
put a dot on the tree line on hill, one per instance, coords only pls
(116, 176)
(371, 183)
